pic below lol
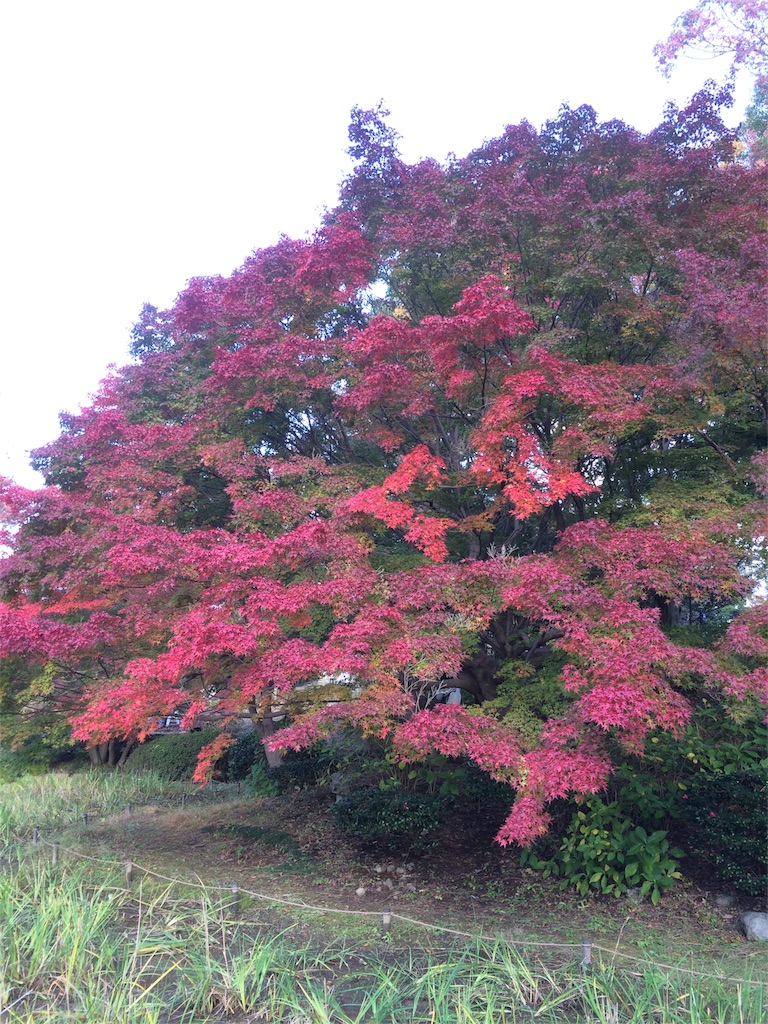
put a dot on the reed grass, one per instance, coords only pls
(59, 798)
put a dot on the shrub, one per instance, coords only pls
(173, 758)
(727, 825)
(448, 777)
(300, 768)
(243, 755)
(14, 765)
(720, 740)
(604, 851)
(391, 820)
(36, 757)
(479, 790)
(259, 781)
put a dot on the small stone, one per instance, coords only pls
(379, 869)
(361, 891)
(409, 867)
(724, 902)
(754, 925)
(389, 883)
(400, 871)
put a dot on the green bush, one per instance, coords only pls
(449, 777)
(173, 758)
(15, 764)
(241, 757)
(299, 769)
(727, 827)
(259, 781)
(391, 820)
(36, 757)
(604, 851)
(479, 790)
(720, 739)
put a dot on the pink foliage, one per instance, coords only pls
(546, 437)
(733, 28)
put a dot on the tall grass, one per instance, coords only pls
(76, 948)
(58, 799)
(77, 945)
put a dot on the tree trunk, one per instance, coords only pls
(265, 727)
(129, 745)
(99, 754)
(476, 677)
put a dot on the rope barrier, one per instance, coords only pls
(677, 970)
(471, 935)
(258, 895)
(301, 905)
(76, 853)
(16, 1002)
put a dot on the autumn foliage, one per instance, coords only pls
(736, 29)
(495, 418)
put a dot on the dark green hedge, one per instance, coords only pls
(726, 817)
(173, 757)
(391, 820)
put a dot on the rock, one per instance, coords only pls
(389, 883)
(361, 891)
(379, 869)
(754, 925)
(724, 902)
(340, 787)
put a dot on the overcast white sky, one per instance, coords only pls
(145, 142)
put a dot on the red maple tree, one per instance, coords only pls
(492, 417)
